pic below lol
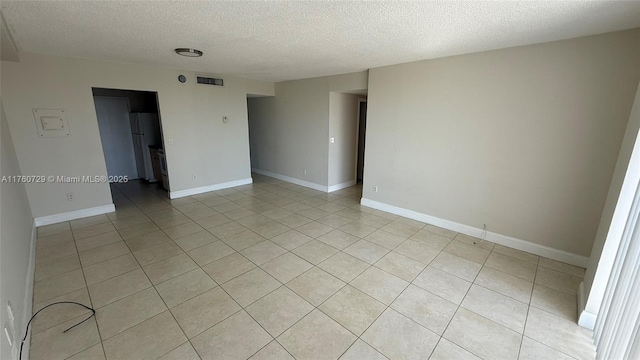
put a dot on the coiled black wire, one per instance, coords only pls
(26, 332)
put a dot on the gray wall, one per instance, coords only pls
(524, 140)
(289, 133)
(114, 122)
(16, 225)
(343, 127)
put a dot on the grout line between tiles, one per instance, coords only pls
(259, 192)
(163, 301)
(528, 307)
(95, 317)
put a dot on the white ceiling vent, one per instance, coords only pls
(205, 80)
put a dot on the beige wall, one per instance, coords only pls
(191, 115)
(16, 225)
(343, 128)
(356, 82)
(290, 131)
(524, 139)
(260, 88)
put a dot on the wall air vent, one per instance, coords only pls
(209, 81)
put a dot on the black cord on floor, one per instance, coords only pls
(26, 332)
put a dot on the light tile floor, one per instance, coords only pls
(273, 270)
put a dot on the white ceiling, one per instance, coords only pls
(270, 40)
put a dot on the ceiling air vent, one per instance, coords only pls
(209, 81)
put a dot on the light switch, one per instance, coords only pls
(52, 122)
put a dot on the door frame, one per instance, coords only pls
(94, 97)
(164, 147)
(590, 306)
(360, 101)
(159, 112)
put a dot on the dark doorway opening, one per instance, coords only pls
(362, 128)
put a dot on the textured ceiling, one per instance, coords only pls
(269, 40)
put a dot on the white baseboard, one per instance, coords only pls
(292, 180)
(204, 189)
(72, 215)
(533, 248)
(344, 185)
(585, 318)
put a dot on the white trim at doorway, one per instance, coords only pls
(203, 189)
(304, 183)
(344, 185)
(292, 180)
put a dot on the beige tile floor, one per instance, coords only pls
(273, 270)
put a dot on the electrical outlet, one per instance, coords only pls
(304, 172)
(170, 141)
(70, 196)
(375, 189)
(195, 177)
(332, 140)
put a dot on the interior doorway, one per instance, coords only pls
(131, 135)
(117, 143)
(362, 129)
